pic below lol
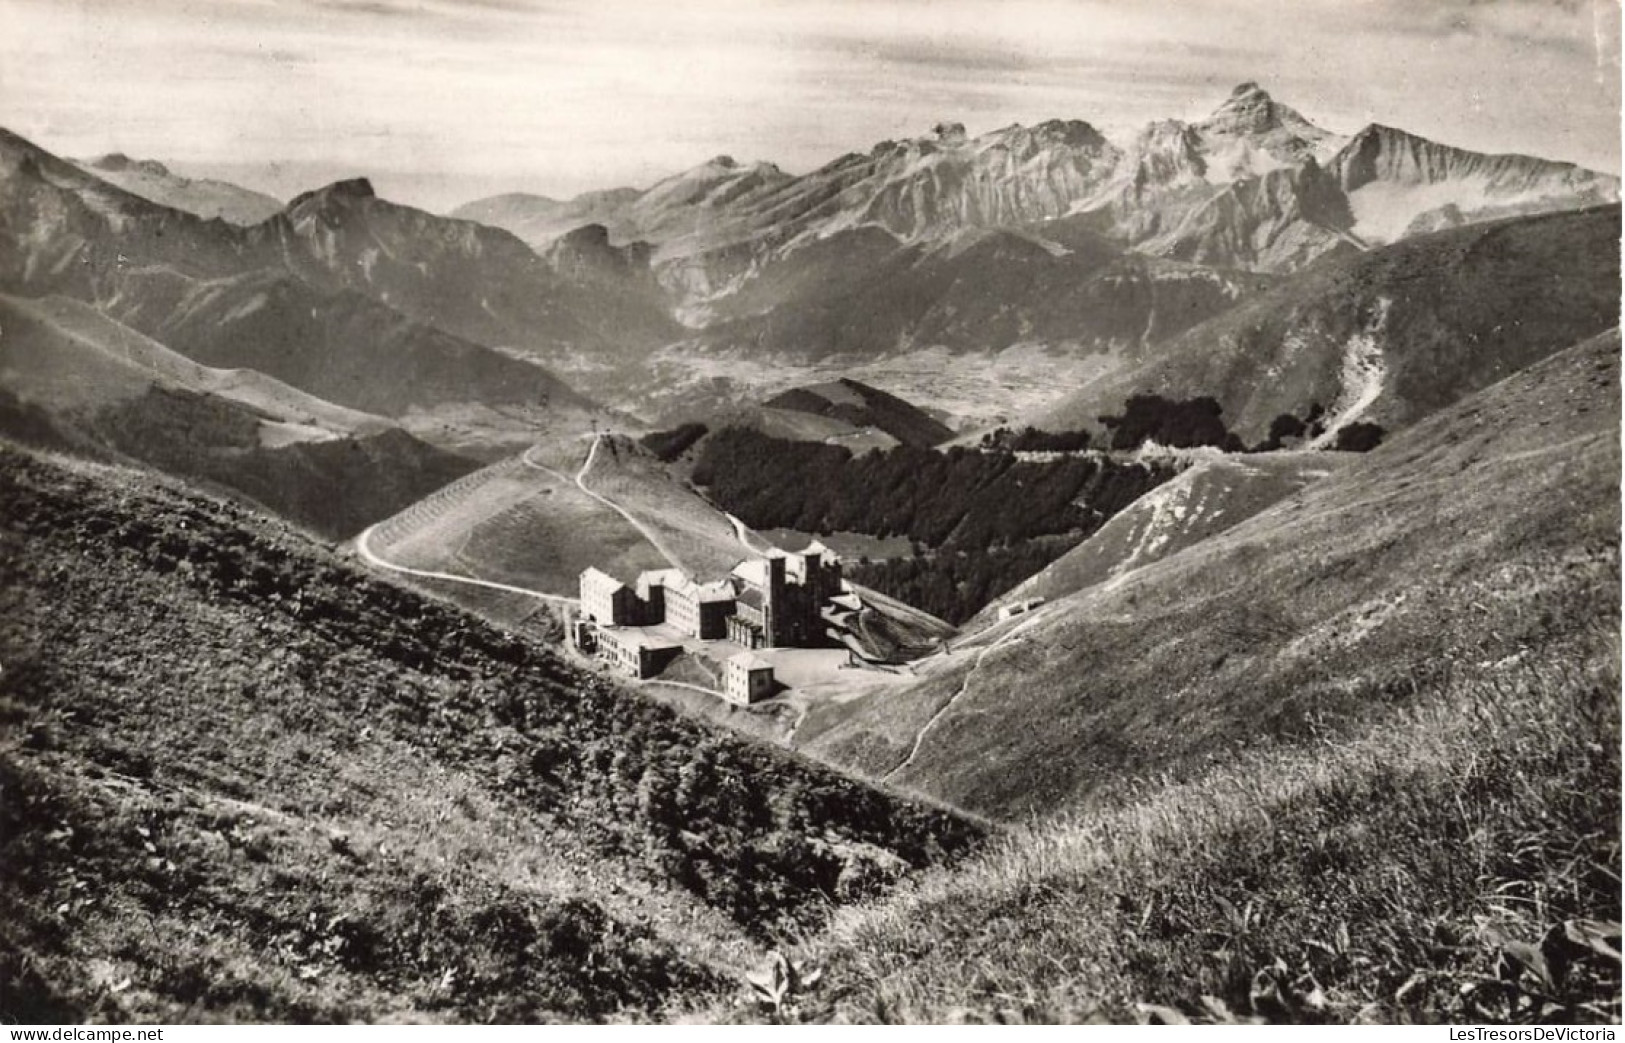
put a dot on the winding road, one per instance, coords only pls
(363, 544)
(581, 483)
(363, 547)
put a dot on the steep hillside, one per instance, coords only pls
(1208, 498)
(76, 379)
(1487, 534)
(1376, 879)
(1390, 336)
(269, 297)
(522, 521)
(245, 782)
(204, 197)
(539, 220)
(863, 407)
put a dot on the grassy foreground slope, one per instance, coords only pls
(1374, 775)
(240, 780)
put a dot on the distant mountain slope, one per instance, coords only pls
(367, 806)
(270, 296)
(73, 378)
(539, 220)
(863, 407)
(470, 280)
(1399, 184)
(68, 356)
(1485, 534)
(1389, 336)
(204, 197)
(861, 295)
(344, 346)
(1210, 497)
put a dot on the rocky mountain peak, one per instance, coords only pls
(1250, 110)
(338, 191)
(118, 162)
(1070, 133)
(950, 133)
(588, 251)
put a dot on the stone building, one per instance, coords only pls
(746, 678)
(770, 602)
(634, 653)
(780, 597)
(608, 601)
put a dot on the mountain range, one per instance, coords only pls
(1255, 185)
(1052, 239)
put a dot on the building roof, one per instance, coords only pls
(752, 570)
(670, 579)
(749, 661)
(631, 637)
(592, 572)
(751, 596)
(716, 590)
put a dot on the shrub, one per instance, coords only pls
(669, 445)
(1358, 437)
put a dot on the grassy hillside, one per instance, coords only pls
(1417, 325)
(1487, 534)
(1212, 495)
(1373, 777)
(332, 487)
(518, 524)
(864, 407)
(243, 781)
(76, 379)
(688, 527)
(1455, 863)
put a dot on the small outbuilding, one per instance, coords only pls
(746, 678)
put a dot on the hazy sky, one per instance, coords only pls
(443, 100)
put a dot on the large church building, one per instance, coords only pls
(770, 602)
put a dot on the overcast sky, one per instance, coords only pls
(440, 101)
